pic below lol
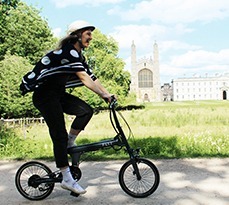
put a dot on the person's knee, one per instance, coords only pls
(81, 121)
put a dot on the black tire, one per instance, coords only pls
(25, 181)
(143, 187)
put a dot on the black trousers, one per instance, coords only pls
(52, 106)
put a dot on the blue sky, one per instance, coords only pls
(192, 35)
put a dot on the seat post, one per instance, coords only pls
(75, 158)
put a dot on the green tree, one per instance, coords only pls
(6, 5)
(12, 103)
(102, 56)
(25, 33)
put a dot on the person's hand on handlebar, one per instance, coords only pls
(108, 97)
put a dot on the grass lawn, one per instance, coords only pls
(165, 129)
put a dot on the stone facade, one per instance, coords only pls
(145, 76)
(201, 88)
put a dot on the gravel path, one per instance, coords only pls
(183, 182)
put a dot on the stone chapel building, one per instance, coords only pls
(145, 83)
(145, 76)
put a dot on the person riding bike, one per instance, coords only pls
(59, 69)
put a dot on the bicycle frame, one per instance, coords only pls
(138, 177)
(119, 140)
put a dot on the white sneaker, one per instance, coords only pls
(74, 187)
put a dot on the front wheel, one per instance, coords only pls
(143, 186)
(27, 181)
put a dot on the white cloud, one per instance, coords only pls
(169, 72)
(144, 37)
(195, 63)
(199, 58)
(57, 32)
(141, 34)
(175, 11)
(66, 3)
(176, 45)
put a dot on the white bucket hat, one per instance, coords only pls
(78, 25)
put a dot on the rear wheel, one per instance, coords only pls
(143, 186)
(27, 181)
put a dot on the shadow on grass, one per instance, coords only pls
(151, 147)
(158, 148)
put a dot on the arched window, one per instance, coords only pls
(145, 78)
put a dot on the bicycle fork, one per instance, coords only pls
(136, 170)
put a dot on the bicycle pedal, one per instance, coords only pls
(74, 194)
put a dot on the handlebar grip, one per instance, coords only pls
(113, 102)
(113, 98)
